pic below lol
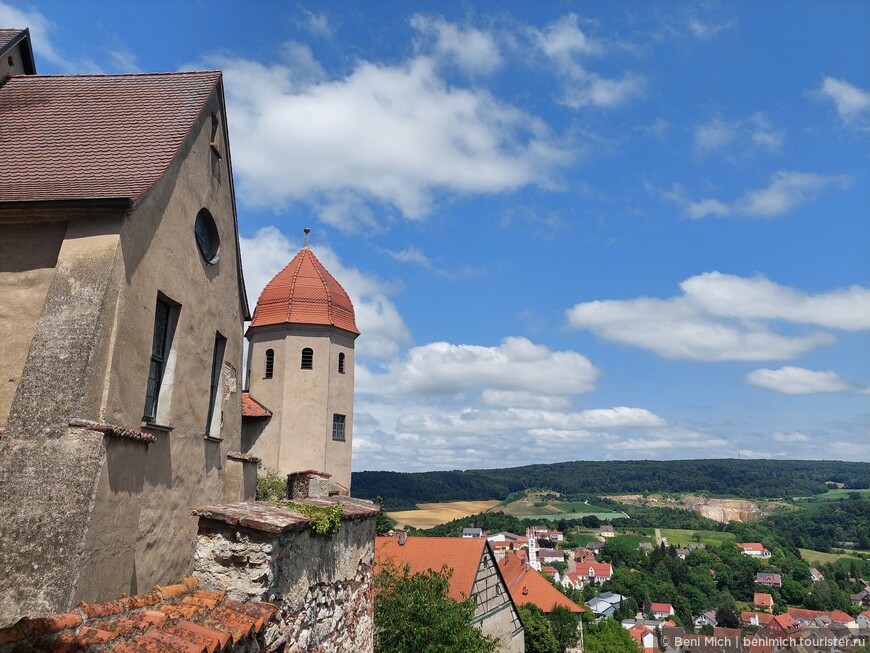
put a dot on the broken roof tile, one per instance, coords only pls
(179, 618)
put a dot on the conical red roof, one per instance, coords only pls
(305, 293)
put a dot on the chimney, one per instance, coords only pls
(403, 537)
(525, 590)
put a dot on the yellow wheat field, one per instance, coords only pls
(428, 515)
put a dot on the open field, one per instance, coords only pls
(429, 515)
(821, 558)
(681, 537)
(534, 506)
(604, 516)
(633, 540)
(831, 495)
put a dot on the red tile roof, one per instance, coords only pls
(180, 618)
(598, 569)
(253, 408)
(305, 293)
(461, 554)
(528, 586)
(661, 607)
(9, 35)
(763, 599)
(94, 136)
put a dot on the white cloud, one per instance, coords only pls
(853, 103)
(517, 364)
(757, 297)
(797, 381)
(754, 132)
(42, 42)
(760, 455)
(383, 330)
(791, 437)
(701, 29)
(787, 191)
(411, 254)
(393, 135)
(564, 42)
(725, 317)
(317, 23)
(469, 49)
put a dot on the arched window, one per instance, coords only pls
(341, 363)
(308, 359)
(270, 363)
(207, 237)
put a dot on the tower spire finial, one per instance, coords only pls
(307, 231)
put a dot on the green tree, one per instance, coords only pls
(539, 637)
(608, 636)
(385, 523)
(563, 623)
(726, 618)
(414, 614)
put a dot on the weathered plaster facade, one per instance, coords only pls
(85, 515)
(322, 584)
(495, 612)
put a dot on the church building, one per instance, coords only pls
(298, 410)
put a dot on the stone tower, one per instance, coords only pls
(298, 412)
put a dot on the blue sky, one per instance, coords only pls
(598, 230)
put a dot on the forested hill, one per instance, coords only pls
(751, 479)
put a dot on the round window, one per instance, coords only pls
(207, 238)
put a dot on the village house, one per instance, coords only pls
(645, 637)
(606, 531)
(863, 621)
(763, 601)
(583, 555)
(660, 611)
(705, 619)
(605, 604)
(549, 556)
(781, 625)
(816, 575)
(769, 579)
(754, 549)
(121, 397)
(476, 575)
(472, 532)
(748, 618)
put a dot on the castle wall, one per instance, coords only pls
(322, 584)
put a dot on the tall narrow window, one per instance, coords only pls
(270, 363)
(308, 358)
(165, 316)
(338, 427)
(341, 363)
(213, 421)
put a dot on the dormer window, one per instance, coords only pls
(270, 363)
(307, 359)
(341, 363)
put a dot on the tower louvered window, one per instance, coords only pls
(341, 363)
(270, 363)
(308, 359)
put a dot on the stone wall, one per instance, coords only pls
(322, 584)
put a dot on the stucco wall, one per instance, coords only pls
(17, 66)
(85, 518)
(160, 255)
(28, 254)
(299, 434)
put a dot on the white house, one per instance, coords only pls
(754, 549)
